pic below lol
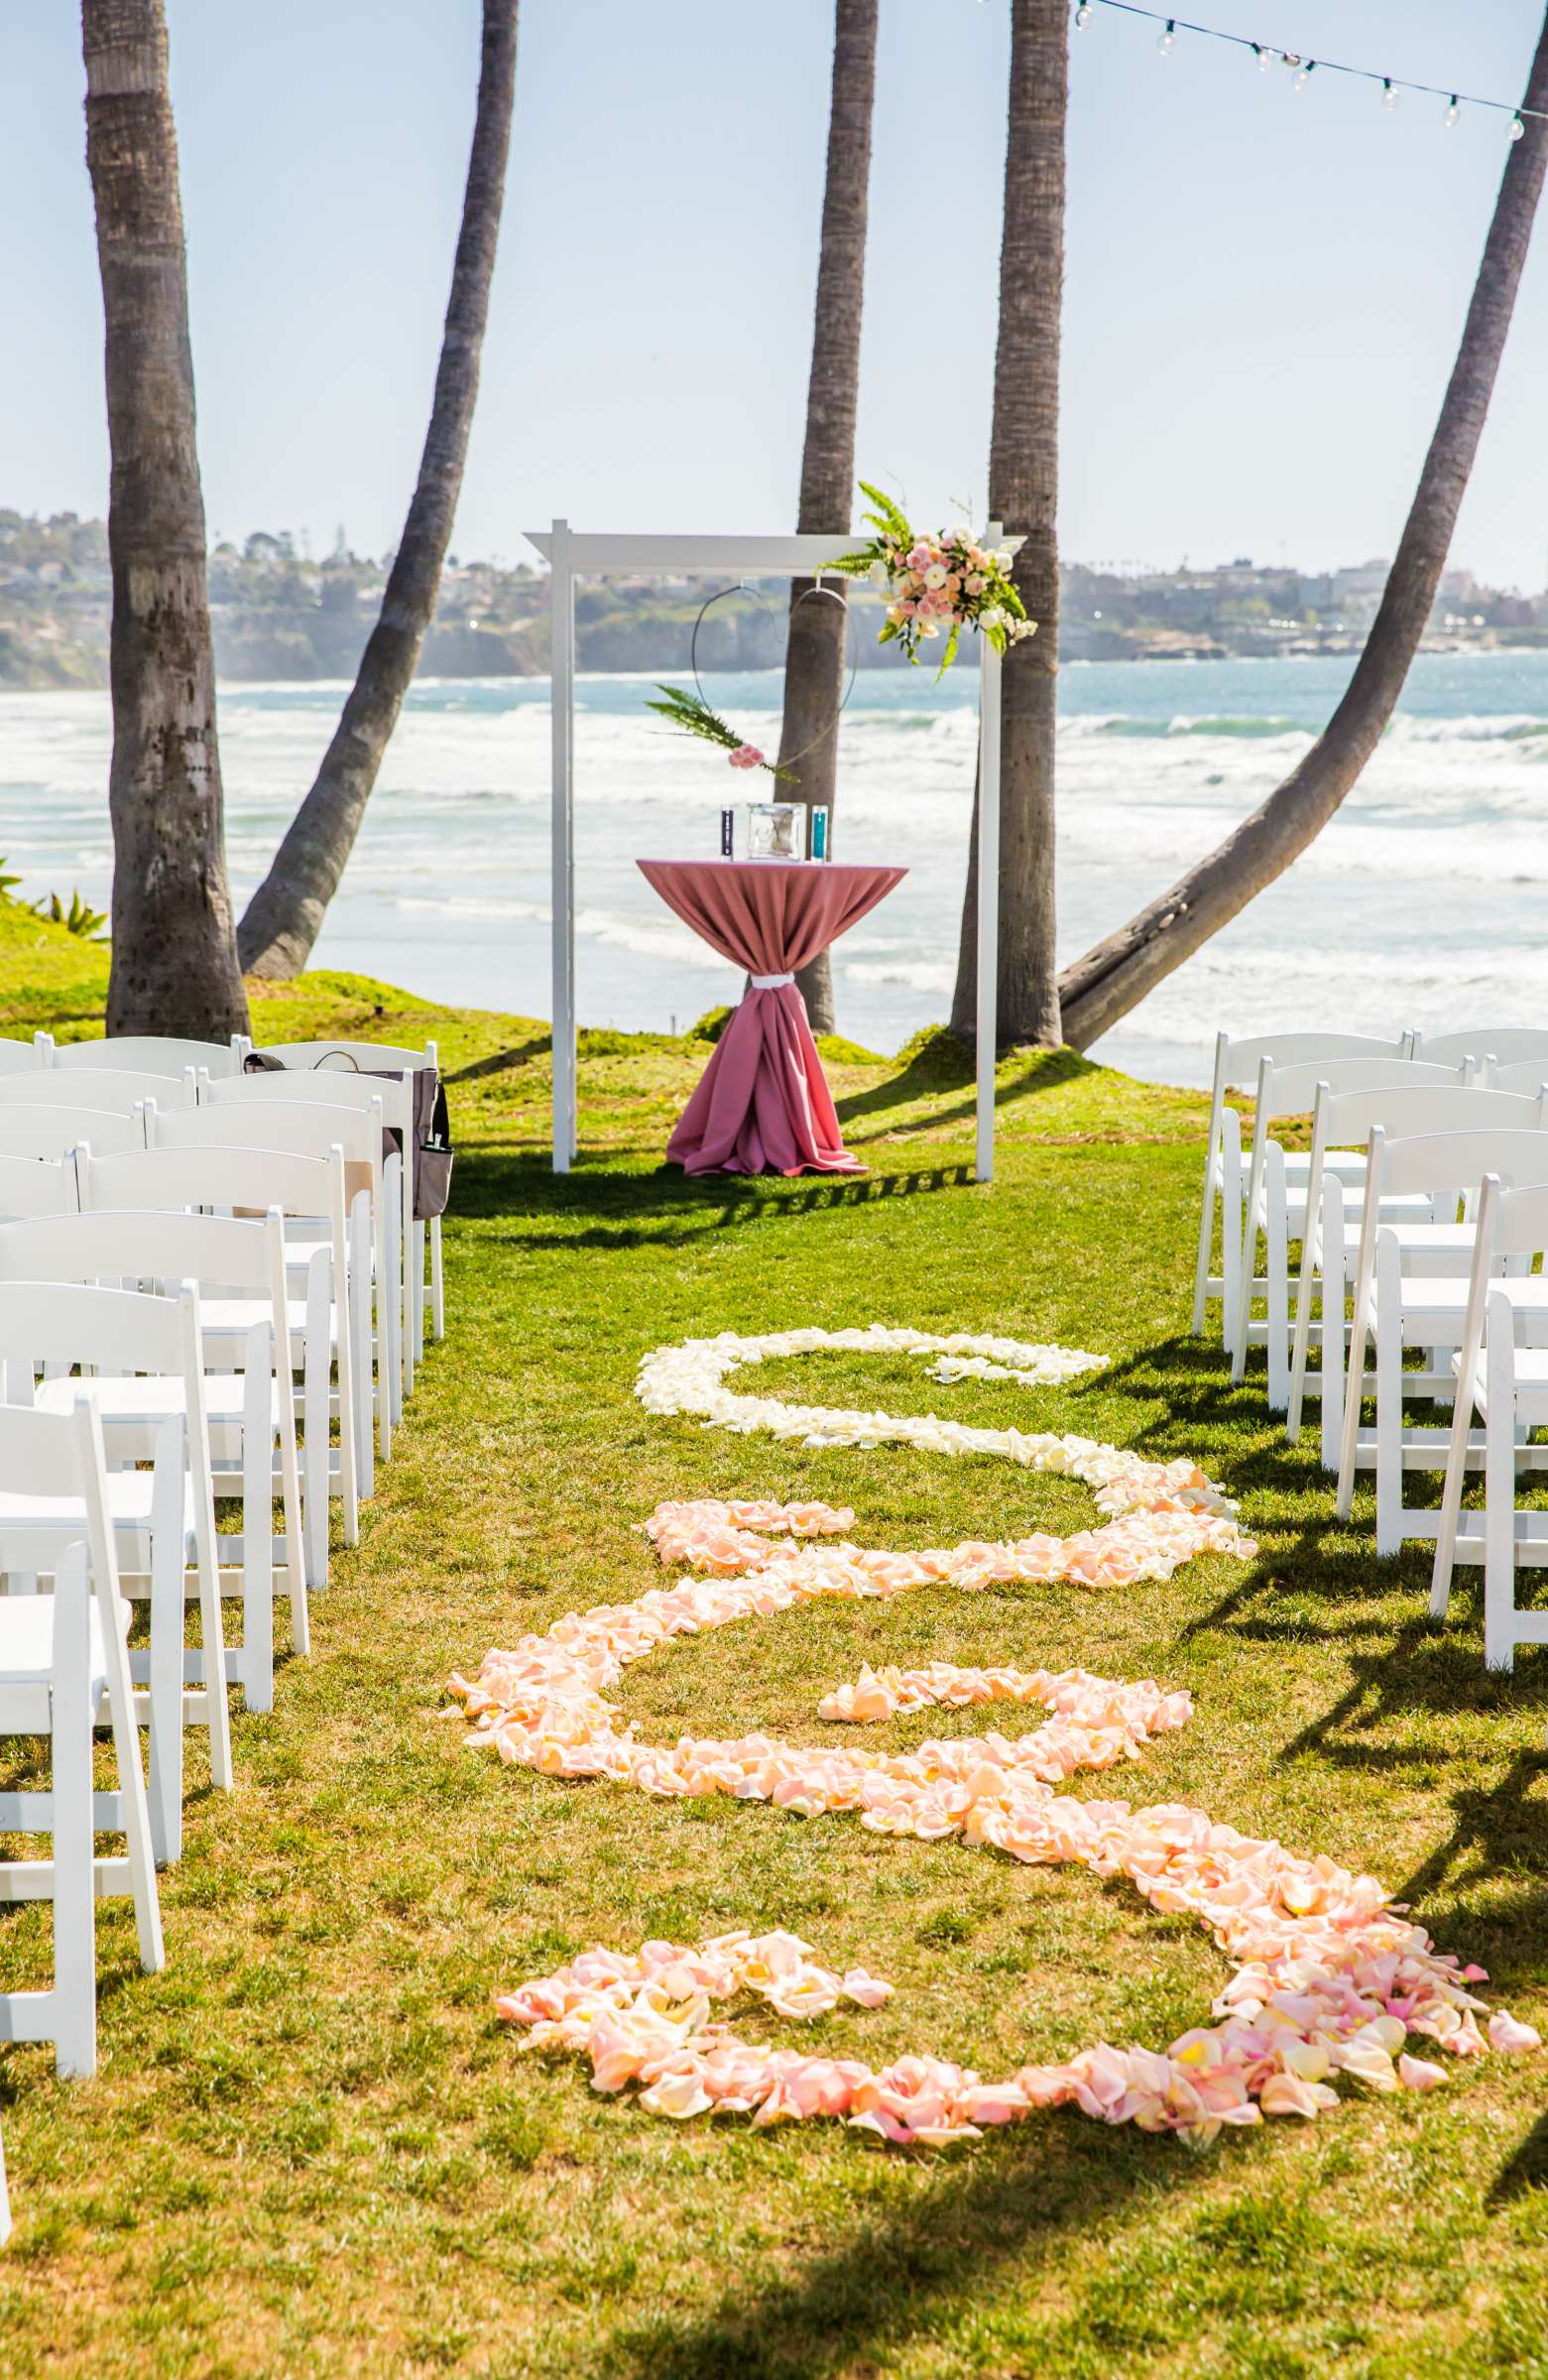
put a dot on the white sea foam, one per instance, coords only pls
(1419, 903)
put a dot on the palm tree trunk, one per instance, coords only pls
(174, 964)
(814, 658)
(1023, 482)
(285, 915)
(1113, 978)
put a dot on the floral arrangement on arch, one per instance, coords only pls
(940, 584)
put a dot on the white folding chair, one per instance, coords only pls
(297, 1086)
(1274, 1202)
(245, 1397)
(388, 1057)
(146, 1053)
(17, 1056)
(1407, 1295)
(1237, 1061)
(1507, 1385)
(64, 1670)
(36, 1186)
(315, 1131)
(163, 1520)
(328, 1328)
(1333, 1217)
(1509, 1043)
(52, 1129)
(118, 1089)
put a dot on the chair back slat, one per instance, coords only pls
(1292, 1089)
(119, 1090)
(1520, 1222)
(30, 1128)
(143, 1053)
(346, 1056)
(1237, 1058)
(169, 1178)
(36, 1186)
(1404, 1110)
(299, 1086)
(143, 1243)
(301, 1129)
(1438, 1164)
(72, 1322)
(48, 1454)
(1510, 1043)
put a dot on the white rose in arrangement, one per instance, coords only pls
(880, 575)
(936, 575)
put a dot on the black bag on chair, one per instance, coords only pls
(432, 1148)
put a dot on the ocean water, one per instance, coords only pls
(1422, 903)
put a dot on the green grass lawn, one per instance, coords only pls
(312, 2149)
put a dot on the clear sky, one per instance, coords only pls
(1263, 289)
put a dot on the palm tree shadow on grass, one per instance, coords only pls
(936, 1068)
(1022, 2191)
(665, 1208)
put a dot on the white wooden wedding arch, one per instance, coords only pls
(572, 555)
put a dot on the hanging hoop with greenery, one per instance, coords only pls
(693, 714)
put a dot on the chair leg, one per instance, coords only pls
(1278, 1304)
(1500, 1516)
(134, 1809)
(418, 1292)
(1334, 1384)
(1389, 1420)
(258, 1569)
(438, 1284)
(169, 1624)
(75, 1993)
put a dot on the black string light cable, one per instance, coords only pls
(1301, 68)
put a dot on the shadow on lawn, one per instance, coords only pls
(902, 2271)
(665, 1208)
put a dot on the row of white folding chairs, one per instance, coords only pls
(144, 1388)
(82, 1095)
(1435, 1235)
(1467, 1293)
(1239, 1062)
(190, 1061)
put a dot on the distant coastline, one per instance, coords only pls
(281, 618)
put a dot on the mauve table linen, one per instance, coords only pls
(763, 1105)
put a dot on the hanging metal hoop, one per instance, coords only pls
(744, 587)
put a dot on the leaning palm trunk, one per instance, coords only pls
(285, 915)
(815, 660)
(1114, 977)
(174, 964)
(1023, 479)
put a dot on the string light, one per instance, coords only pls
(1301, 70)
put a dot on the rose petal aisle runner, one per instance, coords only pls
(1330, 1977)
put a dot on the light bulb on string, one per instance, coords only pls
(1264, 58)
(1303, 74)
(1083, 15)
(1166, 42)
(1517, 127)
(1453, 112)
(1388, 96)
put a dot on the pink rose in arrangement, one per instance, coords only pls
(921, 557)
(745, 756)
